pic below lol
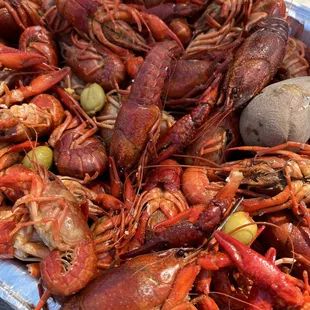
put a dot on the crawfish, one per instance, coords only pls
(156, 278)
(182, 132)
(58, 220)
(171, 290)
(168, 11)
(197, 187)
(190, 74)
(256, 61)
(88, 18)
(120, 33)
(209, 146)
(16, 16)
(108, 115)
(213, 41)
(23, 244)
(198, 222)
(261, 270)
(38, 40)
(28, 121)
(142, 107)
(291, 171)
(37, 86)
(218, 14)
(92, 62)
(294, 63)
(11, 154)
(95, 203)
(78, 153)
(263, 8)
(15, 59)
(160, 203)
(55, 22)
(255, 64)
(290, 230)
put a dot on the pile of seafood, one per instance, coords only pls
(153, 154)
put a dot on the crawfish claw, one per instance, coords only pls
(183, 234)
(16, 59)
(260, 270)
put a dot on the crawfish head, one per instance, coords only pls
(256, 61)
(150, 276)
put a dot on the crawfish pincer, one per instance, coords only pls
(261, 270)
(139, 117)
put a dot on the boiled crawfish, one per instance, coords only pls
(171, 291)
(151, 276)
(256, 61)
(31, 120)
(191, 227)
(289, 231)
(162, 197)
(37, 86)
(92, 62)
(78, 153)
(142, 107)
(23, 244)
(93, 15)
(53, 210)
(17, 15)
(37, 39)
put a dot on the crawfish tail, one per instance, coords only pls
(256, 61)
(38, 40)
(140, 113)
(92, 62)
(149, 82)
(182, 234)
(65, 277)
(258, 296)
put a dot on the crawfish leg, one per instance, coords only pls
(182, 285)
(37, 86)
(60, 278)
(181, 134)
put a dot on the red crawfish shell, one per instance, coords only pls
(74, 160)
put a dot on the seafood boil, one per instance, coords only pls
(154, 154)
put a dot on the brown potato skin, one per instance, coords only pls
(279, 114)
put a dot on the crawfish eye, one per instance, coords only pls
(51, 178)
(180, 253)
(234, 92)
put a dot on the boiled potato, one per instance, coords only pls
(280, 113)
(41, 155)
(245, 234)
